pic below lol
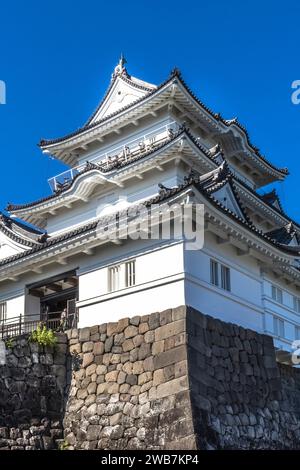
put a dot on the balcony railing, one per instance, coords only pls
(24, 324)
(122, 152)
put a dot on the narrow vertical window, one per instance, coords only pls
(3, 312)
(130, 273)
(279, 296)
(297, 332)
(275, 326)
(297, 305)
(278, 327)
(114, 278)
(214, 278)
(281, 328)
(225, 278)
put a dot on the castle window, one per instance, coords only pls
(114, 278)
(130, 273)
(121, 276)
(278, 327)
(277, 294)
(219, 275)
(3, 311)
(214, 278)
(225, 278)
(297, 304)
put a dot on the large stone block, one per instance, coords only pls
(169, 329)
(128, 345)
(84, 334)
(87, 359)
(98, 348)
(87, 346)
(144, 351)
(172, 387)
(170, 357)
(130, 331)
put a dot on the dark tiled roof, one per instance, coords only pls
(204, 188)
(89, 125)
(271, 198)
(284, 235)
(261, 198)
(231, 122)
(114, 165)
(20, 232)
(175, 73)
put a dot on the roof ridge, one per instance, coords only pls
(271, 206)
(115, 165)
(166, 194)
(88, 126)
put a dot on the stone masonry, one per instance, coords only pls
(171, 380)
(32, 386)
(132, 389)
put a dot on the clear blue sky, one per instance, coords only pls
(57, 57)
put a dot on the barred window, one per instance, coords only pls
(130, 273)
(114, 278)
(214, 278)
(225, 278)
(297, 305)
(278, 327)
(3, 311)
(121, 276)
(277, 294)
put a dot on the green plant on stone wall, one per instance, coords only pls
(43, 336)
(9, 343)
(64, 445)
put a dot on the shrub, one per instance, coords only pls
(43, 336)
(9, 344)
(63, 445)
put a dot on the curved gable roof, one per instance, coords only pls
(19, 232)
(174, 76)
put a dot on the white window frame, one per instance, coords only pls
(3, 312)
(277, 294)
(225, 278)
(297, 332)
(278, 327)
(130, 273)
(220, 275)
(214, 272)
(114, 278)
(121, 276)
(296, 302)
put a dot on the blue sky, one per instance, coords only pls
(57, 57)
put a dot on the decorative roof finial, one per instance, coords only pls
(120, 68)
(122, 60)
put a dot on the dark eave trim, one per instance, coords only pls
(114, 166)
(162, 196)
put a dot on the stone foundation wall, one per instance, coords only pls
(132, 389)
(32, 385)
(170, 380)
(241, 397)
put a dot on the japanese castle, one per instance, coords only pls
(146, 145)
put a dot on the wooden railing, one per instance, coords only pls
(23, 324)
